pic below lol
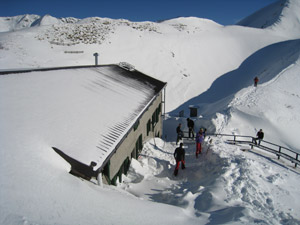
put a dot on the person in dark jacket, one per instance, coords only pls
(179, 133)
(255, 81)
(179, 156)
(190, 124)
(260, 136)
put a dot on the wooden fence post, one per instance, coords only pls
(252, 142)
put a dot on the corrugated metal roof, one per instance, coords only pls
(84, 111)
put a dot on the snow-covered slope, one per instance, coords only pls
(273, 106)
(268, 63)
(266, 17)
(263, 63)
(281, 17)
(205, 64)
(15, 23)
(178, 51)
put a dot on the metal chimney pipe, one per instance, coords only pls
(96, 58)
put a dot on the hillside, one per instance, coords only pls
(282, 17)
(221, 98)
(205, 65)
(178, 51)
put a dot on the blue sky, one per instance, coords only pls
(222, 11)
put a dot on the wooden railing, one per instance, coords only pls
(278, 150)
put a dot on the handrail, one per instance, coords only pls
(253, 138)
(280, 151)
(267, 146)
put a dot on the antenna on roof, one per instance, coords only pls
(96, 58)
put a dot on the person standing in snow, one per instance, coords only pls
(204, 132)
(199, 140)
(260, 136)
(179, 133)
(179, 156)
(255, 81)
(190, 124)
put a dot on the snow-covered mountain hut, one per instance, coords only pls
(96, 117)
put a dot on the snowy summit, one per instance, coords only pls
(208, 68)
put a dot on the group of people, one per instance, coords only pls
(179, 153)
(190, 124)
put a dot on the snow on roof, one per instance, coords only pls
(84, 111)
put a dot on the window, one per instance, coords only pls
(114, 180)
(137, 149)
(126, 165)
(136, 125)
(153, 120)
(155, 116)
(139, 145)
(106, 171)
(133, 154)
(148, 127)
(140, 142)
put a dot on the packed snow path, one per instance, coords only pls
(186, 188)
(230, 185)
(247, 142)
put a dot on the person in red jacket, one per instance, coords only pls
(179, 156)
(255, 81)
(199, 140)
